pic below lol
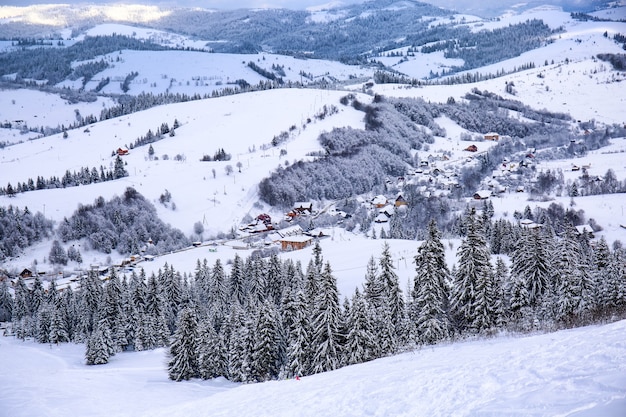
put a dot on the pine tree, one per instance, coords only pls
(183, 362)
(360, 342)
(44, 322)
(325, 329)
(237, 344)
(567, 270)
(394, 299)
(430, 292)
(119, 171)
(6, 302)
(530, 262)
(58, 327)
(157, 329)
(470, 292)
(299, 355)
(170, 282)
(100, 347)
(373, 291)
(212, 360)
(265, 352)
(237, 287)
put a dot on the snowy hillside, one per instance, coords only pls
(206, 170)
(579, 372)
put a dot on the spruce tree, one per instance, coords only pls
(325, 328)
(212, 360)
(183, 362)
(530, 262)
(299, 350)
(58, 327)
(360, 342)
(6, 302)
(567, 271)
(393, 297)
(430, 289)
(470, 299)
(265, 352)
(237, 283)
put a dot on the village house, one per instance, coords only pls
(400, 201)
(298, 242)
(303, 207)
(482, 194)
(379, 201)
(122, 151)
(492, 136)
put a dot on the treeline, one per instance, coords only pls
(159, 133)
(19, 228)
(618, 61)
(264, 73)
(54, 64)
(70, 179)
(271, 319)
(488, 47)
(125, 224)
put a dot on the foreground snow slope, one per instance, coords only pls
(579, 372)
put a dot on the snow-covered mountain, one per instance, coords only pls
(576, 372)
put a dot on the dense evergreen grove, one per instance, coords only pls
(19, 228)
(271, 319)
(125, 223)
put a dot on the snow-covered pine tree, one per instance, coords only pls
(530, 262)
(37, 296)
(113, 310)
(218, 293)
(237, 343)
(44, 321)
(237, 283)
(89, 297)
(212, 360)
(265, 353)
(6, 302)
(275, 280)
(155, 313)
(183, 362)
(430, 289)
(169, 281)
(99, 346)
(393, 297)
(58, 327)
(325, 328)
(567, 272)
(201, 281)
(360, 343)
(299, 352)
(470, 301)
(500, 278)
(373, 289)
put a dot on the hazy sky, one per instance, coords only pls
(460, 5)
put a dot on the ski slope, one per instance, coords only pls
(578, 373)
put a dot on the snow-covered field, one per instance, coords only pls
(579, 372)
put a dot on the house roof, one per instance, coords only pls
(379, 199)
(483, 194)
(297, 239)
(303, 205)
